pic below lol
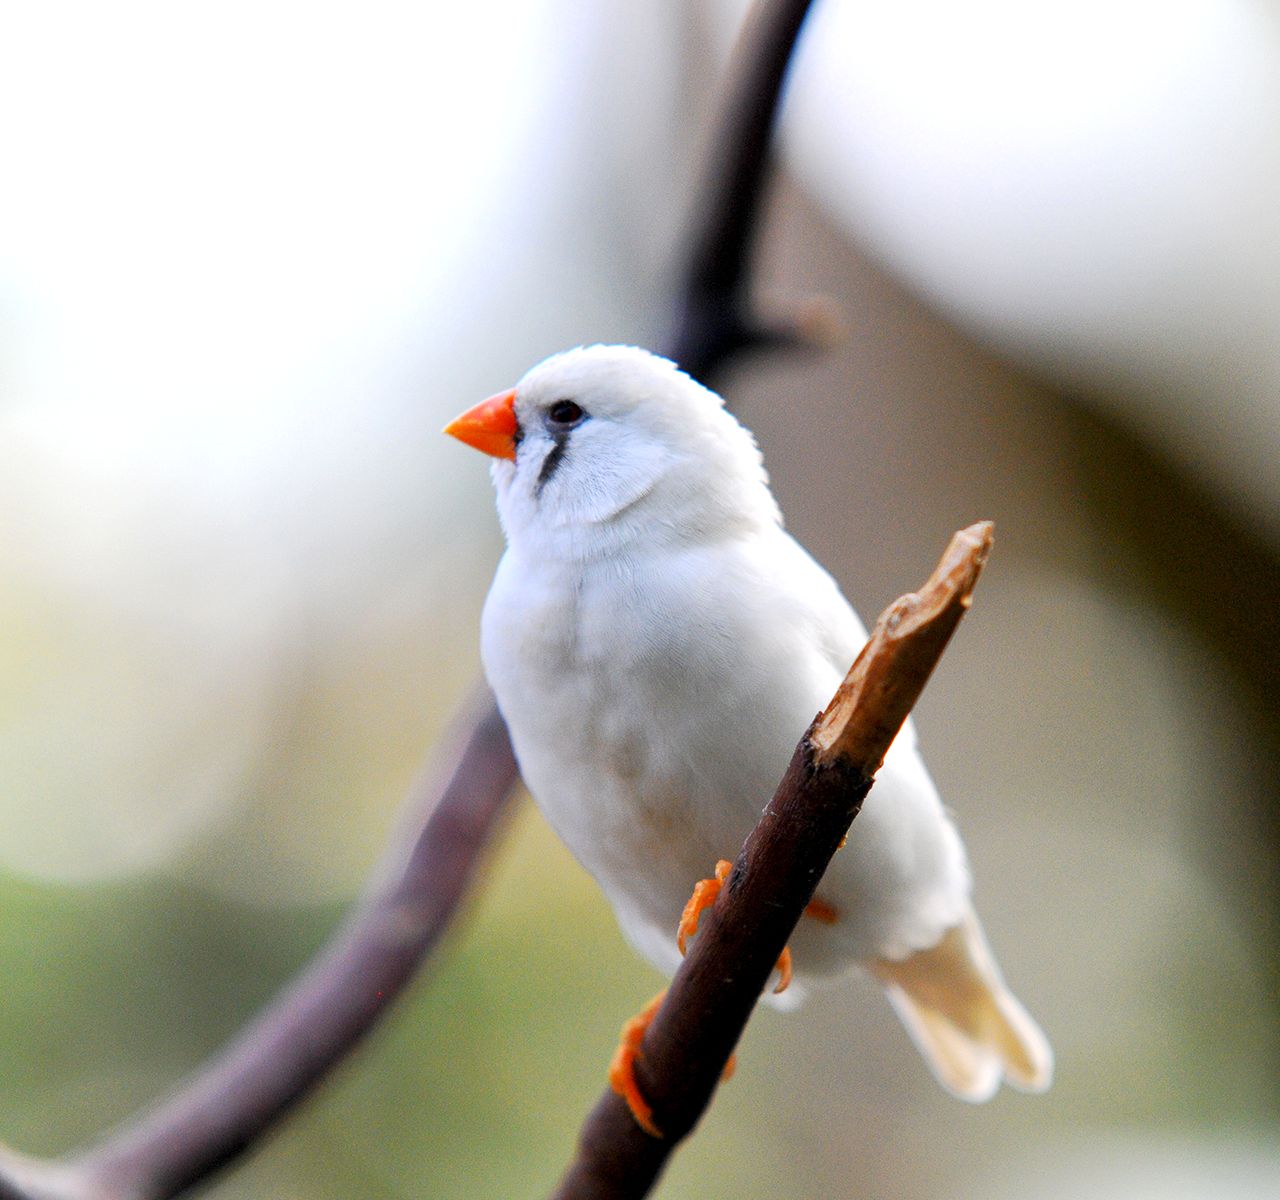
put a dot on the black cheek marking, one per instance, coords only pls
(549, 464)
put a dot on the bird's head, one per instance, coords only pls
(602, 444)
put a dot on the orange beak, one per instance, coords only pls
(489, 427)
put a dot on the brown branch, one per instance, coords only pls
(280, 1056)
(714, 318)
(713, 993)
(226, 1105)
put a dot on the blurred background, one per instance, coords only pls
(252, 256)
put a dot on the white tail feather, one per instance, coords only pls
(966, 1023)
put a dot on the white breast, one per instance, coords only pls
(654, 702)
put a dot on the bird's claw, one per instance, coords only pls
(822, 911)
(622, 1070)
(704, 896)
(783, 967)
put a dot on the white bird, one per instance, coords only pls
(658, 643)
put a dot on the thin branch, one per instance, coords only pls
(693, 1033)
(281, 1055)
(228, 1103)
(714, 318)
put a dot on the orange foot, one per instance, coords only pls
(821, 911)
(622, 1071)
(704, 896)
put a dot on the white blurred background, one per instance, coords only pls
(253, 256)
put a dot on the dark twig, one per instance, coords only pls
(714, 318)
(280, 1056)
(712, 995)
(229, 1102)
(226, 1105)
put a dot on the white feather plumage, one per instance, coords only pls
(657, 643)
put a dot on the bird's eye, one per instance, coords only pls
(565, 413)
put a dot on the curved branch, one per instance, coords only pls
(313, 1024)
(705, 1010)
(227, 1104)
